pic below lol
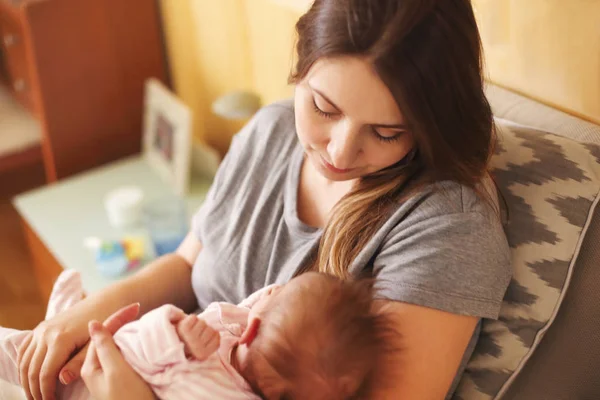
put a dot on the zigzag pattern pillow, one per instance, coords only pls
(551, 185)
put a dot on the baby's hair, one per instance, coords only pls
(323, 342)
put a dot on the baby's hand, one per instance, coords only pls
(200, 340)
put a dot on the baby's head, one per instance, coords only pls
(316, 337)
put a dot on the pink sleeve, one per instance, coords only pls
(10, 340)
(152, 343)
(153, 348)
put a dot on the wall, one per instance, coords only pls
(546, 49)
(218, 46)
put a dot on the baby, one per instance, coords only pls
(315, 337)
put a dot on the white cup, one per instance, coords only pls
(124, 206)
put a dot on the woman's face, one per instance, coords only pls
(348, 121)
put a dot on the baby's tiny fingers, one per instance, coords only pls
(208, 335)
(213, 343)
(188, 323)
(183, 327)
(200, 325)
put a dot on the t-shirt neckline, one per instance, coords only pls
(291, 195)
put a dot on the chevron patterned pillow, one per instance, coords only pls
(551, 185)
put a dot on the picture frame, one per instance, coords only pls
(167, 136)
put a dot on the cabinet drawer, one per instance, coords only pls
(17, 66)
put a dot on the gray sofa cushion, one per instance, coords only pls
(566, 364)
(551, 185)
(523, 111)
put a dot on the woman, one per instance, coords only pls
(379, 166)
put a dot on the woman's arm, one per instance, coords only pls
(166, 280)
(190, 248)
(432, 344)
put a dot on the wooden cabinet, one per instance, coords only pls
(79, 66)
(17, 70)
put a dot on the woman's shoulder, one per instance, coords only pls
(271, 127)
(445, 248)
(260, 152)
(452, 216)
(282, 109)
(264, 144)
(450, 197)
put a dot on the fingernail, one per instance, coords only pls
(66, 377)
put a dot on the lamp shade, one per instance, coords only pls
(236, 105)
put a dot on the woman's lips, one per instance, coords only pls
(334, 169)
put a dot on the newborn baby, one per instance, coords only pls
(315, 337)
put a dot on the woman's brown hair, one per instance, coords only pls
(428, 53)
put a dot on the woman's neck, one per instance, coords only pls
(317, 195)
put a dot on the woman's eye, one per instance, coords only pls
(385, 138)
(321, 112)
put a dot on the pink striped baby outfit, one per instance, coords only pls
(153, 348)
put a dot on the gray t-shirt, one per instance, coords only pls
(444, 248)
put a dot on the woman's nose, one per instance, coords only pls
(344, 146)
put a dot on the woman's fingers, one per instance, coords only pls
(54, 360)
(33, 373)
(113, 323)
(109, 357)
(90, 364)
(91, 373)
(121, 317)
(72, 369)
(106, 373)
(24, 368)
(40, 360)
(23, 347)
(21, 353)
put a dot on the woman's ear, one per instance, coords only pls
(251, 330)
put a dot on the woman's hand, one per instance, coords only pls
(43, 354)
(51, 344)
(105, 372)
(57, 347)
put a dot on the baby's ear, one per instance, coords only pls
(251, 330)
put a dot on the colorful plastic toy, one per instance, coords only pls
(116, 257)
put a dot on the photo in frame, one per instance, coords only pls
(167, 135)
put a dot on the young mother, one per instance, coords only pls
(378, 166)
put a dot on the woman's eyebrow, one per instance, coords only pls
(390, 126)
(325, 98)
